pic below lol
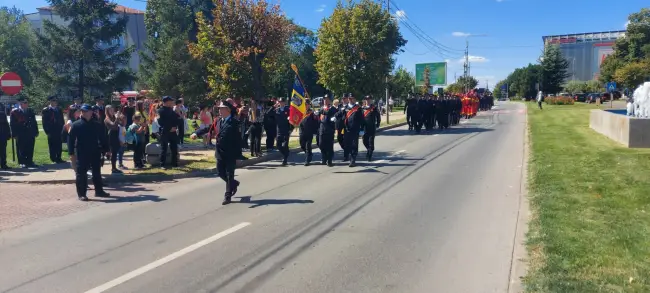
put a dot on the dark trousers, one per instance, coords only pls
(226, 169)
(540, 105)
(256, 138)
(351, 141)
(181, 133)
(84, 163)
(339, 139)
(3, 152)
(369, 141)
(283, 145)
(244, 136)
(25, 149)
(138, 154)
(271, 134)
(169, 140)
(305, 145)
(326, 147)
(55, 147)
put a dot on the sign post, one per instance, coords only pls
(611, 87)
(11, 84)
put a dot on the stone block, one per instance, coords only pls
(615, 124)
(153, 151)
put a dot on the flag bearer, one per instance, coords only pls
(284, 129)
(326, 131)
(308, 127)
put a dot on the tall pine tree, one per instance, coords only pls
(554, 69)
(167, 67)
(85, 56)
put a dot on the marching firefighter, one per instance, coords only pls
(327, 130)
(372, 119)
(353, 126)
(307, 129)
(411, 110)
(25, 129)
(256, 117)
(340, 127)
(284, 129)
(53, 123)
(270, 125)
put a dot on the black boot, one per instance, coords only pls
(284, 162)
(370, 156)
(353, 162)
(329, 163)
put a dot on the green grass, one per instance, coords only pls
(590, 203)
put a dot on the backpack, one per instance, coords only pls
(130, 134)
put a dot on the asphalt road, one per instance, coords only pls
(436, 212)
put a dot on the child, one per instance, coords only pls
(138, 132)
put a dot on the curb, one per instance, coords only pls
(191, 174)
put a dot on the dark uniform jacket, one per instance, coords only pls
(228, 138)
(372, 119)
(23, 123)
(167, 119)
(282, 120)
(340, 117)
(86, 138)
(354, 120)
(5, 130)
(52, 121)
(327, 126)
(309, 125)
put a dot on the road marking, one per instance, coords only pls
(124, 278)
(400, 152)
(436, 134)
(380, 161)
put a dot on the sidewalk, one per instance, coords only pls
(195, 161)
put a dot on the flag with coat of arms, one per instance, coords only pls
(298, 110)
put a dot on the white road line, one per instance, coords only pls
(166, 259)
(436, 134)
(380, 161)
(400, 152)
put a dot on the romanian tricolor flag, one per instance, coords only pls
(297, 110)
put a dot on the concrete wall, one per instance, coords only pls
(629, 131)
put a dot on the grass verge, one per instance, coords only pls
(590, 224)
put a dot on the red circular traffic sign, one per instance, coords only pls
(10, 83)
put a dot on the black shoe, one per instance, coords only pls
(116, 171)
(102, 194)
(227, 199)
(284, 163)
(234, 188)
(330, 164)
(346, 159)
(352, 164)
(83, 198)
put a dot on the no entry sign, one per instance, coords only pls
(10, 83)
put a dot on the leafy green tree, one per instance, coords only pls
(401, 82)
(554, 69)
(633, 74)
(356, 46)
(16, 41)
(86, 55)
(594, 86)
(167, 66)
(468, 82)
(575, 86)
(238, 42)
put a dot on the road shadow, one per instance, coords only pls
(123, 188)
(128, 199)
(265, 202)
(357, 170)
(452, 130)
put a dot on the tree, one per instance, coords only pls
(356, 46)
(86, 55)
(240, 43)
(427, 80)
(401, 82)
(554, 69)
(575, 86)
(167, 66)
(633, 74)
(468, 82)
(593, 86)
(17, 40)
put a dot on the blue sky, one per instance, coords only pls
(512, 28)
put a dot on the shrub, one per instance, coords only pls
(559, 100)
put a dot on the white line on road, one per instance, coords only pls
(400, 152)
(380, 161)
(166, 259)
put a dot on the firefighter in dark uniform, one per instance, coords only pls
(326, 131)
(53, 125)
(284, 129)
(441, 115)
(411, 110)
(270, 125)
(86, 146)
(25, 129)
(228, 147)
(256, 118)
(168, 121)
(425, 115)
(372, 119)
(353, 122)
(340, 127)
(5, 135)
(308, 127)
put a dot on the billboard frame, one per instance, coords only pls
(419, 68)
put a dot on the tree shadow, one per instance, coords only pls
(357, 170)
(265, 202)
(133, 188)
(129, 199)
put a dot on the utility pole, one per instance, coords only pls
(466, 65)
(387, 94)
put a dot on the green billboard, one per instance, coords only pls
(438, 73)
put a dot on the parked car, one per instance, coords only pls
(591, 98)
(580, 97)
